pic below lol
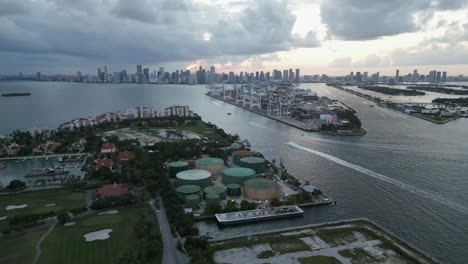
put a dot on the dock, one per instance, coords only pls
(258, 215)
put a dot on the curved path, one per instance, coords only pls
(38, 243)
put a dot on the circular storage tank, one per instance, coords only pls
(212, 199)
(219, 190)
(237, 175)
(186, 190)
(192, 201)
(234, 190)
(239, 154)
(213, 165)
(255, 163)
(260, 189)
(176, 167)
(201, 178)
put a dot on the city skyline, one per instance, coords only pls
(205, 76)
(330, 37)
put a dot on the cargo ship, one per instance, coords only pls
(46, 172)
(258, 215)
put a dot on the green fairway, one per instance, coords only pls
(21, 248)
(67, 244)
(37, 201)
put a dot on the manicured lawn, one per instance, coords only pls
(319, 260)
(288, 246)
(434, 118)
(336, 237)
(21, 248)
(37, 201)
(67, 244)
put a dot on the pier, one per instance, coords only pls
(24, 158)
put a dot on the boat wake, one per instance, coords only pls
(381, 177)
(216, 103)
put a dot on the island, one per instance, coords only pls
(391, 91)
(440, 89)
(15, 94)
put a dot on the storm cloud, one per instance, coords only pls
(371, 19)
(143, 31)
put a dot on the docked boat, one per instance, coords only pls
(46, 172)
(258, 215)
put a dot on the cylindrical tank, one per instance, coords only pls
(219, 190)
(233, 190)
(186, 190)
(213, 165)
(192, 201)
(201, 178)
(237, 175)
(260, 189)
(239, 154)
(255, 163)
(212, 199)
(176, 167)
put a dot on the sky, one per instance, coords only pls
(331, 37)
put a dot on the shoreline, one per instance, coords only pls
(375, 100)
(294, 123)
(406, 247)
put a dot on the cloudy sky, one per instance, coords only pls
(318, 36)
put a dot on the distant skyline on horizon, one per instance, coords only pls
(330, 37)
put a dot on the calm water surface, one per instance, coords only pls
(407, 174)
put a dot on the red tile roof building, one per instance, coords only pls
(112, 190)
(108, 148)
(125, 156)
(104, 163)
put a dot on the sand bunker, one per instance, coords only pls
(69, 223)
(110, 212)
(49, 205)
(98, 235)
(12, 207)
(3, 218)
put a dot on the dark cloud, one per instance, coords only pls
(371, 19)
(12, 7)
(130, 32)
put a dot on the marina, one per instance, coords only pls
(258, 215)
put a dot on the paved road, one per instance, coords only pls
(38, 243)
(170, 253)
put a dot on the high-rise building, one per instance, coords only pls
(38, 76)
(365, 77)
(146, 74)
(438, 78)
(358, 77)
(285, 76)
(232, 77)
(397, 75)
(415, 75)
(432, 76)
(99, 74)
(213, 70)
(105, 74)
(267, 76)
(291, 76)
(444, 76)
(297, 76)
